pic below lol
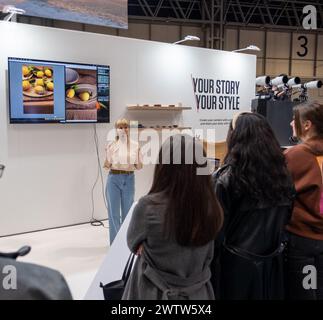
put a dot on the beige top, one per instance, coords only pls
(123, 156)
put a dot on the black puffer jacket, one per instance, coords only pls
(248, 261)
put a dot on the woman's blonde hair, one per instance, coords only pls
(121, 122)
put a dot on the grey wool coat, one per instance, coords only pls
(165, 270)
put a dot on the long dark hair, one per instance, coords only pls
(312, 111)
(258, 165)
(193, 215)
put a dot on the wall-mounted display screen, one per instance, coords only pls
(59, 92)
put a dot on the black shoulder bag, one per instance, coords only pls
(114, 290)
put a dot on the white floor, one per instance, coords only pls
(77, 252)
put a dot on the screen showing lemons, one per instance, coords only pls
(37, 80)
(49, 91)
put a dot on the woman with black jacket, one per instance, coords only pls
(256, 193)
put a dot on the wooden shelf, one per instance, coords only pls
(160, 129)
(153, 108)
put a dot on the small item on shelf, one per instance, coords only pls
(133, 124)
(175, 125)
(140, 126)
(171, 106)
(157, 105)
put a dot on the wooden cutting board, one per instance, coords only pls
(39, 103)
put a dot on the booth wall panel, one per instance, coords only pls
(303, 69)
(248, 37)
(51, 168)
(275, 67)
(67, 25)
(278, 44)
(230, 39)
(136, 30)
(165, 33)
(100, 29)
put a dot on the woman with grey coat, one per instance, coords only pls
(173, 228)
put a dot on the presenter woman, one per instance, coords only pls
(305, 250)
(123, 157)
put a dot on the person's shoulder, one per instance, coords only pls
(300, 158)
(152, 200)
(142, 210)
(222, 175)
(35, 278)
(298, 150)
(34, 269)
(142, 203)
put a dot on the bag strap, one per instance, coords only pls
(128, 268)
(252, 256)
(14, 255)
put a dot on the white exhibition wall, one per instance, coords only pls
(51, 168)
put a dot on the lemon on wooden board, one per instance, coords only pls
(25, 71)
(48, 73)
(70, 93)
(40, 74)
(84, 96)
(50, 86)
(39, 82)
(26, 85)
(39, 90)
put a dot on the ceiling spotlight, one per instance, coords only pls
(12, 12)
(250, 47)
(188, 38)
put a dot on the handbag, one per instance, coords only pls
(114, 290)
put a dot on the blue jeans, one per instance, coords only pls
(120, 189)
